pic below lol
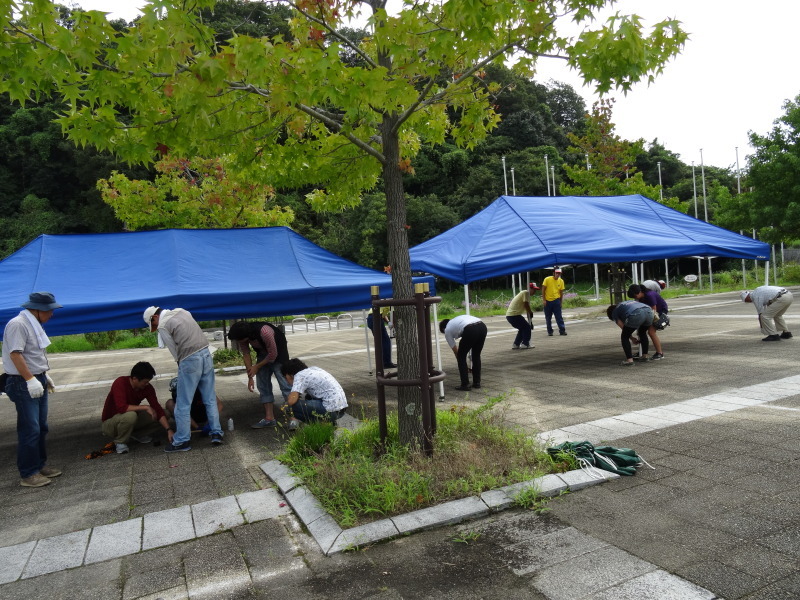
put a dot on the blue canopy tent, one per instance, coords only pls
(105, 281)
(516, 234)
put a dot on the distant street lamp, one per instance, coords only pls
(513, 183)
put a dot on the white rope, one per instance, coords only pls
(644, 462)
(590, 469)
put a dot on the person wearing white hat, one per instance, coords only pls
(771, 303)
(188, 345)
(28, 384)
(552, 294)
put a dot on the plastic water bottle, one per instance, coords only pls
(230, 424)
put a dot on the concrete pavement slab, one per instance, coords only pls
(13, 560)
(114, 540)
(167, 527)
(216, 515)
(57, 553)
(656, 584)
(263, 504)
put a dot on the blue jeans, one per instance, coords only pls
(551, 309)
(311, 409)
(523, 329)
(195, 372)
(386, 343)
(31, 425)
(264, 380)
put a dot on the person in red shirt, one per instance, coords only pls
(124, 416)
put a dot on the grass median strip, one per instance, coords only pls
(473, 453)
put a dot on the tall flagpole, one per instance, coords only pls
(505, 178)
(705, 211)
(739, 191)
(513, 183)
(660, 186)
(547, 174)
(699, 266)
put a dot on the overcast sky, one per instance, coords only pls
(735, 73)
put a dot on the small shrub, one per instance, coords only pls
(791, 273)
(572, 300)
(101, 340)
(227, 357)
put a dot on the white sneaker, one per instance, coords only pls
(121, 448)
(514, 347)
(294, 424)
(526, 346)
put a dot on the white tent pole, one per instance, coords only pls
(699, 273)
(766, 272)
(466, 297)
(513, 285)
(710, 276)
(513, 183)
(666, 271)
(438, 350)
(634, 272)
(596, 282)
(366, 339)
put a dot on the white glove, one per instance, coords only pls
(51, 387)
(35, 388)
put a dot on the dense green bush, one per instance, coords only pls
(101, 340)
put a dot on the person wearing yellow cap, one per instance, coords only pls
(552, 293)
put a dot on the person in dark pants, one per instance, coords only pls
(552, 295)
(632, 316)
(472, 332)
(386, 343)
(28, 384)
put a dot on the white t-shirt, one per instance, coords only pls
(320, 384)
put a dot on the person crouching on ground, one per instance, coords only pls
(315, 395)
(632, 316)
(197, 414)
(124, 416)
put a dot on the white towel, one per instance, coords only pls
(41, 336)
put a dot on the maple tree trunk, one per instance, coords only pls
(409, 398)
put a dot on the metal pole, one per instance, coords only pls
(660, 185)
(547, 174)
(738, 173)
(505, 179)
(513, 183)
(666, 271)
(588, 166)
(694, 186)
(553, 172)
(744, 268)
(596, 282)
(699, 274)
(774, 266)
(466, 297)
(703, 176)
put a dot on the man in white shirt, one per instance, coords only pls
(771, 303)
(472, 332)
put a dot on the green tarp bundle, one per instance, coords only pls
(622, 461)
